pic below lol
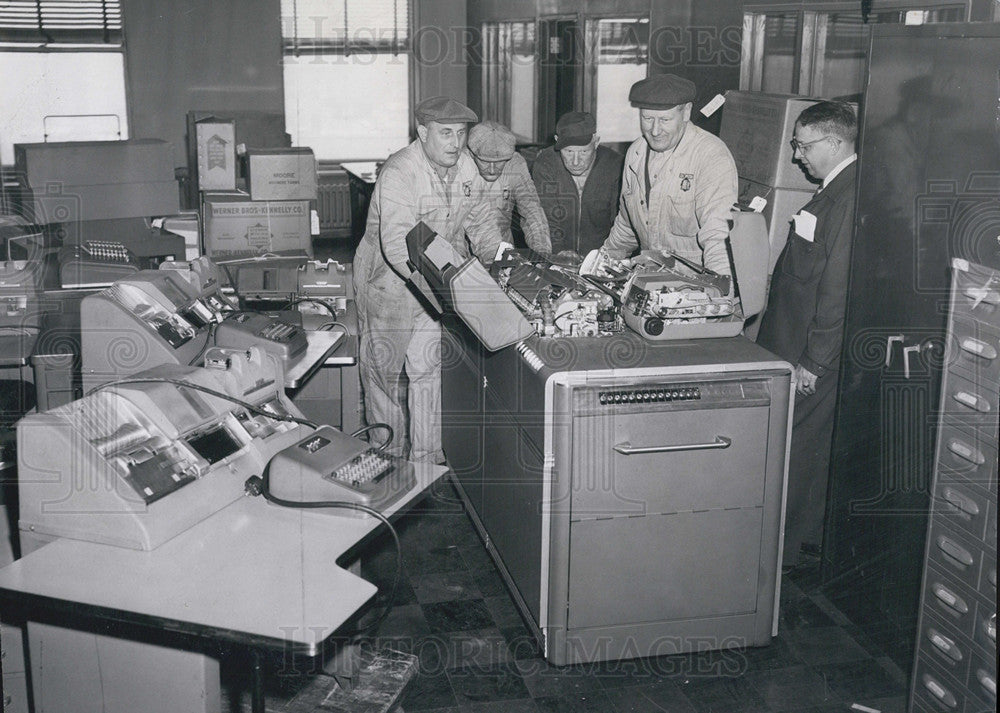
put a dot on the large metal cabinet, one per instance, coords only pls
(629, 491)
(955, 666)
(929, 181)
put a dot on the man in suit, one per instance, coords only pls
(578, 183)
(804, 319)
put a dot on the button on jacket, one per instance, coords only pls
(689, 201)
(578, 225)
(514, 189)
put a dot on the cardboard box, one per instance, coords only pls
(88, 163)
(757, 128)
(235, 227)
(782, 204)
(281, 174)
(216, 154)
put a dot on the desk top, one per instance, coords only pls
(365, 170)
(319, 346)
(253, 573)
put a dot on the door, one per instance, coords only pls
(560, 50)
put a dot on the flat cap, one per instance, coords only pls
(662, 91)
(575, 128)
(444, 110)
(490, 141)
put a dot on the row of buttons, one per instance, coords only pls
(648, 395)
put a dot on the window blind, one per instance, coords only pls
(344, 26)
(61, 21)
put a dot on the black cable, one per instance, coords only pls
(390, 434)
(328, 326)
(232, 282)
(265, 490)
(209, 334)
(204, 389)
(313, 300)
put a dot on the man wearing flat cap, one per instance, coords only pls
(507, 184)
(578, 182)
(431, 181)
(679, 182)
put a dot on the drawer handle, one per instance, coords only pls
(950, 599)
(960, 502)
(955, 551)
(966, 452)
(939, 691)
(971, 400)
(982, 294)
(944, 644)
(979, 348)
(988, 682)
(627, 449)
(990, 625)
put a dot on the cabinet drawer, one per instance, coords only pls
(11, 648)
(941, 642)
(966, 398)
(961, 506)
(699, 459)
(983, 678)
(955, 555)
(974, 352)
(967, 454)
(934, 689)
(949, 600)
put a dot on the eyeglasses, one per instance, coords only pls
(801, 146)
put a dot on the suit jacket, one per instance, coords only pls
(572, 225)
(804, 319)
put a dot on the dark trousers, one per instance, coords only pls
(809, 467)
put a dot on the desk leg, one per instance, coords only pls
(257, 693)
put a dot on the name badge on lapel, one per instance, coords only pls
(686, 181)
(467, 189)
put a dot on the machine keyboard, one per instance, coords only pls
(366, 467)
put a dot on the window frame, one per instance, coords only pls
(810, 54)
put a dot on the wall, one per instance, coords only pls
(440, 38)
(186, 55)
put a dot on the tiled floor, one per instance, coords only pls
(453, 611)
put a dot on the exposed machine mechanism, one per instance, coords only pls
(555, 300)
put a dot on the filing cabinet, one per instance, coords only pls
(955, 668)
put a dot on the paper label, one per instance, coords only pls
(758, 204)
(713, 106)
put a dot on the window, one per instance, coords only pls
(336, 53)
(509, 64)
(817, 52)
(64, 72)
(617, 55)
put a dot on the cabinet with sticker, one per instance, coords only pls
(955, 661)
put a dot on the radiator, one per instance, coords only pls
(334, 202)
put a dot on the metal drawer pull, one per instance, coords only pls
(979, 348)
(954, 551)
(990, 625)
(982, 294)
(627, 449)
(939, 691)
(965, 451)
(944, 644)
(973, 401)
(960, 502)
(950, 599)
(987, 681)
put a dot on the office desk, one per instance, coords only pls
(253, 574)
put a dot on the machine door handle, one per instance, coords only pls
(627, 449)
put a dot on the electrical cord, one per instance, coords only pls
(328, 326)
(262, 486)
(390, 434)
(204, 389)
(313, 300)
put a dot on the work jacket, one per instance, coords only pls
(689, 201)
